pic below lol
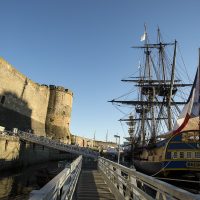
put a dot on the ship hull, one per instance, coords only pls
(180, 153)
(147, 167)
(157, 168)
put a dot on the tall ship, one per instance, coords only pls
(164, 121)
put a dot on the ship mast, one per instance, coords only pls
(161, 56)
(148, 70)
(151, 92)
(171, 88)
(157, 87)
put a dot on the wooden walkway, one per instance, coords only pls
(91, 186)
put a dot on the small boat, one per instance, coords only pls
(164, 130)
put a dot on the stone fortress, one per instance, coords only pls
(29, 106)
(40, 109)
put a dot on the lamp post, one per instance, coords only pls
(117, 136)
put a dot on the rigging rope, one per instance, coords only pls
(162, 169)
(116, 106)
(123, 128)
(184, 63)
(126, 94)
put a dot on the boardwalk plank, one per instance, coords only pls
(91, 186)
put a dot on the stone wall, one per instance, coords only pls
(9, 148)
(22, 99)
(104, 145)
(15, 153)
(86, 142)
(30, 106)
(81, 141)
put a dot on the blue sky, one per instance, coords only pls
(85, 45)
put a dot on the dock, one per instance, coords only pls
(93, 177)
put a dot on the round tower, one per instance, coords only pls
(59, 113)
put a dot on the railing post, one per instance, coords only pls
(139, 186)
(119, 180)
(62, 186)
(133, 181)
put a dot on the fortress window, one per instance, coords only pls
(197, 154)
(174, 155)
(181, 154)
(3, 98)
(189, 154)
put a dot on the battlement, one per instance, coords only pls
(58, 88)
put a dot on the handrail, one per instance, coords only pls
(51, 143)
(130, 184)
(57, 144)
(62, 186)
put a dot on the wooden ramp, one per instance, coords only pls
(91, 186)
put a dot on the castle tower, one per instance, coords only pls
(59, 113)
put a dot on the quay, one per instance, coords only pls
(91, 177)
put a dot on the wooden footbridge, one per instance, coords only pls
(108, 181)
(92, 186)
(91, 177)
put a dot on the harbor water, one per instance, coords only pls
(18, 184)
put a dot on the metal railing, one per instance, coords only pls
(10, 135)
(57, 145)
(62, 186)
(129, 184)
